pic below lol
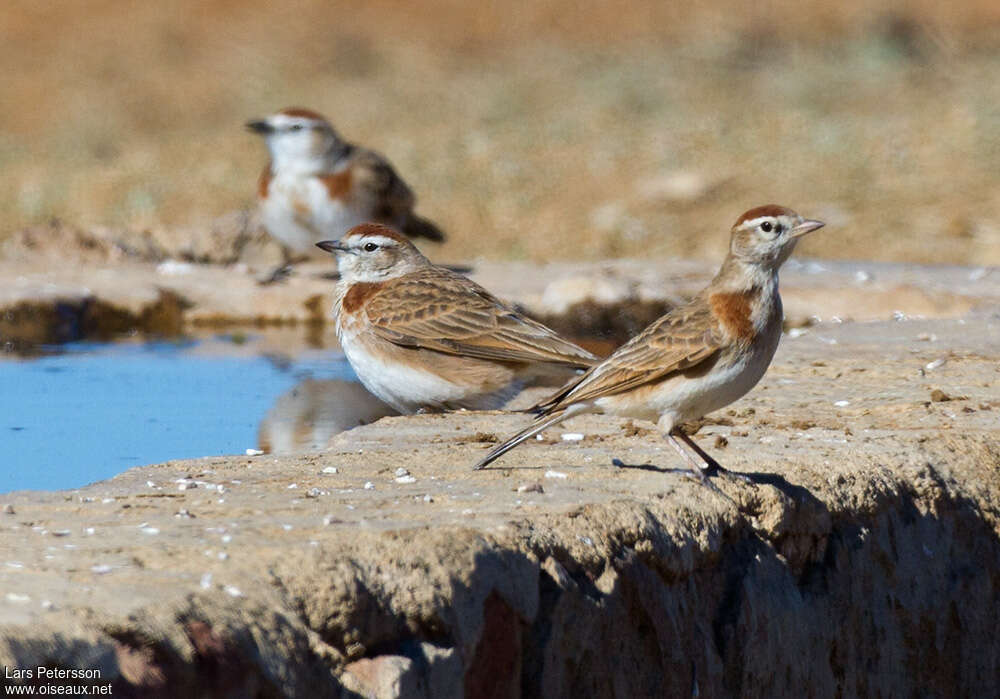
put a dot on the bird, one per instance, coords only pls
(423, 338)
(700, 356)
(317, 186)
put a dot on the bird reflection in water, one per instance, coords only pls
(306, 417)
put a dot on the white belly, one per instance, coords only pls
(299, 213)
(408, 388)
(683, 398)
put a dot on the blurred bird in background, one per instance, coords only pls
(317, 186)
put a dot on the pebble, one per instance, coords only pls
(152, 531)
(842, 403)
(369, 485)
(402, 471)
(8, 509)
(406, 479)
(330, 469)
(253, 452)
(17, 598)
(101, 569)
(206, 581)
(571, 437)
(233, 591)
(555, 474)
(936, 364)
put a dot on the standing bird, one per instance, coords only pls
(698, 357)
(318, 186)
(421, 337)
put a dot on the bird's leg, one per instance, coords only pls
(710, 463)
(282, 271)
(697, 473)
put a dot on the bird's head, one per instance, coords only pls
(765, 236)
(372, 252)
(297, 138)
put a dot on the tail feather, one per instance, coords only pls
(417, 227)
(541, 422)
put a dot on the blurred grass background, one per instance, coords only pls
(551, 129)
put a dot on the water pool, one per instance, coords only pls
(84, 412)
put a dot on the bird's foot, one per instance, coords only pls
(279, 274)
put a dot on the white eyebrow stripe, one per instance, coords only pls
(783, 220)
(377, 239)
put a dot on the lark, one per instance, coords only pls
(423, 338)
(318, 186)
(699, 357)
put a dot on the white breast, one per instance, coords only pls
(299, 212)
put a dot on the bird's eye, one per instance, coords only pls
(370, 247)
(295, 127)
(766, 226)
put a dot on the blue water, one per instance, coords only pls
(92, 411)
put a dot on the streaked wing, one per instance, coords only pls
(682, 339)
(377, 182)
(439, 310)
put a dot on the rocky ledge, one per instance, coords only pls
(862, 558)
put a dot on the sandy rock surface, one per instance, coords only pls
(863, 559)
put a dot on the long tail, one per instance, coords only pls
(417, 227)
(541, 422)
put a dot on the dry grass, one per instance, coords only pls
(557, 129)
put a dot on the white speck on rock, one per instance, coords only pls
(571, 436)
(936, 364)
(842, 403)
(402, 471)
(152, 531)
(101, 569)
(369, 485)
(797, 332)
(206, 581)
(17, 598)
(174, 268)
(330, 469)
(406, 479)
(555, 474)
(292, 486)
(233, 591)
(254, 452)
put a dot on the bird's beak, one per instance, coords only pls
(333, 246)
(261, 126)
(807, 226)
